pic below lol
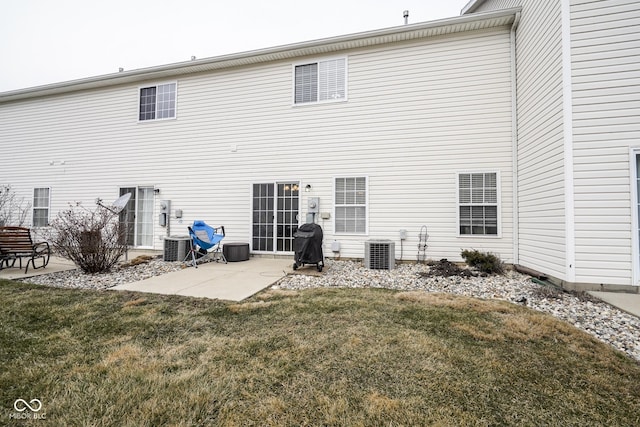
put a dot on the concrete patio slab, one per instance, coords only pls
(55, 265)
(625, 302)
(234, 281)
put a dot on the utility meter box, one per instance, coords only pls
(313, 205)
(165, 209)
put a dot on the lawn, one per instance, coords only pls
(331, 357)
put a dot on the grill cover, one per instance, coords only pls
(307, 244)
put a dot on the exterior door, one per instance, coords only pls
(138, 216)
(275, 216)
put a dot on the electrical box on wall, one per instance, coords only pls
(165, 209)
(313, 205)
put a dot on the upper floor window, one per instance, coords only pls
(478, 203)
(321, 81)
(40, 207)
(158, 102)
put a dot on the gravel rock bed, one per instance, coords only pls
(121, 274)
(606, 323)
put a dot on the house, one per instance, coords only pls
(512, 128)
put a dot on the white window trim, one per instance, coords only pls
(175, 115)
(33, 206)
(326, 101)
(335, 205)
(498, 204)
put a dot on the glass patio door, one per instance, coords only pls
(138, 216)
(275, 216)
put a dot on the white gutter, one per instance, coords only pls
(514, 147)
(567, 108)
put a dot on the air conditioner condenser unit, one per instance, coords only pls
(379, 254)
(176, 248)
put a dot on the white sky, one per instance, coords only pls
(50, 41)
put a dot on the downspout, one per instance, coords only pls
(514, 142)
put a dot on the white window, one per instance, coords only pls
(321, 81)
(478, 203)
(351, 205)
(158, 102)
(40, 207)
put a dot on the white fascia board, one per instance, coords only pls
(325, 46)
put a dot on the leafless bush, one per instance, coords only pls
(92, 239)
(13, 210)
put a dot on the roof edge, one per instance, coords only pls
(312, 47)
(471, 6)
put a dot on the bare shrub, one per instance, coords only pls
(93, 239)
(13, 210)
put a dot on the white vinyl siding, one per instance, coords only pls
(40, 207)
(606, 105)
(541, 194)
(417, 111)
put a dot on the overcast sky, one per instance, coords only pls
(51, 41)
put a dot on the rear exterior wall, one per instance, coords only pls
(417, 114)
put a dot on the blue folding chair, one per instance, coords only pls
(205, 243)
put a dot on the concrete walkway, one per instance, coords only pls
(625, 302)
(55, 265)
(234, 281)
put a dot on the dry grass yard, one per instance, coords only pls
(330, 357)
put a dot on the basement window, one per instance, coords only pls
(158, 102)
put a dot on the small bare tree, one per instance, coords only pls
(93, 239)
(13, 210)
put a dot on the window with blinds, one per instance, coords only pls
(478, 203)
(351, 205)
(322, 81)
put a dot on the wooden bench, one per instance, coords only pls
(16, 243)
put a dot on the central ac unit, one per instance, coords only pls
(176, 248)
(379, 254)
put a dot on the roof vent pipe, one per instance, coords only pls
(406, 17)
